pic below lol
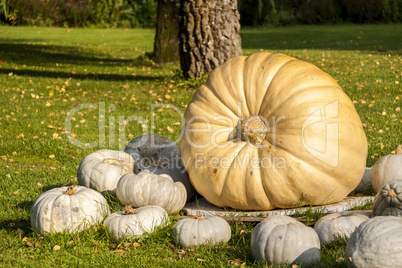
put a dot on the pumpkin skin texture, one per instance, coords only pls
(160, 156)
(376, 243)
(331, 226)
(388, 200)
(140, 222)
(147, 188)
(198, 230)
(281, 239)
(386, 169)
(68, 209)
(269, 131)
(103, 169)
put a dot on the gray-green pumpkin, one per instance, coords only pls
(376, 243)
(388, 201)
(159, 155)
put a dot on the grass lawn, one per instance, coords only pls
(68, 92)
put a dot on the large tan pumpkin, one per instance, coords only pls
(269, 131)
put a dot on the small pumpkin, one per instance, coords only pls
(386, 169)
(281, 239)
(68, 209)
(147, 188)
(102, 170)
(376, 243)
(388, 200)
(331, 226)
(270, 131)
(138, 222)
(200, 230)
(160, 156)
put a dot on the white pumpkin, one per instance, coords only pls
(160, 156)
(135, 222)
(199, 230)
(69, 209)
(103, 169)
(147, 188)
(386, 169)
(376, 243)
(281, 239)
(331, 226)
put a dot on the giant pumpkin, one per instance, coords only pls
(270, 131)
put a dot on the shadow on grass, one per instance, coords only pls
(21, 53)
(89, 76)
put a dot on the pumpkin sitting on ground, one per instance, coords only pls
(270, 131)
(334, 225)
(386, 169)
(376, 243)
(138, 222)
(199, 230)
(282, 239)
(68, 209)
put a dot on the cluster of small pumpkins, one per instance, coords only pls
(148, 197)
(235, 112)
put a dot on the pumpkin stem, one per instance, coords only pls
(252, 129)
(128, 209)
(398, 149)
(111, 161)
(197, 217)
(391, 193)
(71, 190)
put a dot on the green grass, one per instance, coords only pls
(48, 75)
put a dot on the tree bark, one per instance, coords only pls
(209, 35)
(166, 45)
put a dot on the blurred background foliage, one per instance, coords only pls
(142, 13)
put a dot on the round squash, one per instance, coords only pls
(199, 230)
(388, 200)
(282, 239)
(135, 222)
(386, 169)
(376, 243)
(160, 156)
(147, 188)
(331, 226)
(270, 131)
(68, 209)
(102, 170)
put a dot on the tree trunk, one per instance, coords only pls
(209, 35)
(166, 45)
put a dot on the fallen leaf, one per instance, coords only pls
(56, 248)
(29, 244)
(14, 153)
(52, 156)
(15, 193)
(136, 244)
(119, 251)
(171, 130)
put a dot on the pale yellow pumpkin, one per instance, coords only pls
(269, 131)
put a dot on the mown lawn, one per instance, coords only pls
(68, 92)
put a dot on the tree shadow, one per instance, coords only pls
(22, 53)
(89, 76)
